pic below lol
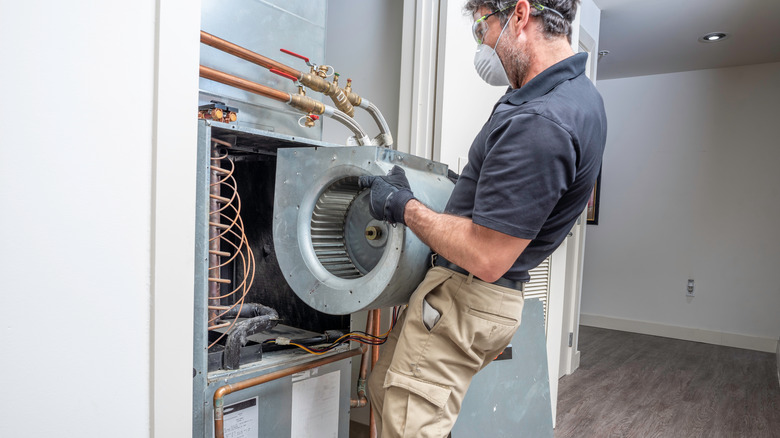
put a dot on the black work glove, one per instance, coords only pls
(389, 195)
(452, 176)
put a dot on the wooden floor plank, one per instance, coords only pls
(632, 385)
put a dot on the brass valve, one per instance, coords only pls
(316, 79)
(321, 71)
(353, 98)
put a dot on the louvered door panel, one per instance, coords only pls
(539, 285)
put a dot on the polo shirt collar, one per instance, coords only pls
(545, 81)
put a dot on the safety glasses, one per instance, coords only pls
(480, 27)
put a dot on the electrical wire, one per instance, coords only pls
(357, 336)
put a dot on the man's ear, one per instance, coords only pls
(521, 16)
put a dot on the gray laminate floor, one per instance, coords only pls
(631, 385)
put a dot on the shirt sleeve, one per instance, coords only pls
(529, 164)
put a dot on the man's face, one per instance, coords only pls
(512, 54)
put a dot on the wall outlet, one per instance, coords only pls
(689, 291)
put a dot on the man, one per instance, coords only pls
(530, 172)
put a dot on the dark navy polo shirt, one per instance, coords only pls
(533, 165)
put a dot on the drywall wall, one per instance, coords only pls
(363, 42)
(690, 190)
(76, 179)
(464, 101)
(89, 146)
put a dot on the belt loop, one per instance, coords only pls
(471, 277)
(433, 259)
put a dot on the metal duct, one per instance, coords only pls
(333, 254)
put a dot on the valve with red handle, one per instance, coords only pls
(323, 71)
(295, 80)
(308, 121)
(316, 80)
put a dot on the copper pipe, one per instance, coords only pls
(219, 170)
(220, 253)
(214, 244)
(303, 103)
(219, 280)
(245, 54)
(222, 142)
(223, 391)
(311, 80)
(243, 84)
(375, 330)
(220, 199)
(362, 399)
(224, 227)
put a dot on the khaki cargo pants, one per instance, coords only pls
(418, 384)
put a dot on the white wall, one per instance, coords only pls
(78, 142)
(363, 42)
(690, 190)
(590, 18)
(464, 100)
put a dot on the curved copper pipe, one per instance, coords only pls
(362, 399)
(246, 54)
(235, 81)
(222, 391)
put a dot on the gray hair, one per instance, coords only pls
(552, 24)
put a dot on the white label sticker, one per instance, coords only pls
(315, 407)
(241, 419)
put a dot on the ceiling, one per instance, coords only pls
(662, 36)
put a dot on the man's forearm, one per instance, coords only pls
(485, 253)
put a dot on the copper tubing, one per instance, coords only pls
(375, 330)
(219, 170)
(235, 81)
(223, 391)
(303, 103)
(316, 83)
(224, 227)
(248, 55)
(362, 400)
(220, 199)
(214, 247)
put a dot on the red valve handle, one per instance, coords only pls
(295, 55)
(314, 117)
(283, 74)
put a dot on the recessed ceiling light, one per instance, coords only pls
(713, 37)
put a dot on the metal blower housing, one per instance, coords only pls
(333, 254)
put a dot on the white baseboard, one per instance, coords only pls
(757, 343)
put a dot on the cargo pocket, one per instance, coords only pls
(414, 407)
(435, 394)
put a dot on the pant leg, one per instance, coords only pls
(430, 370)
(376, 393)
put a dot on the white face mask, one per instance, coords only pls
(488, 64)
